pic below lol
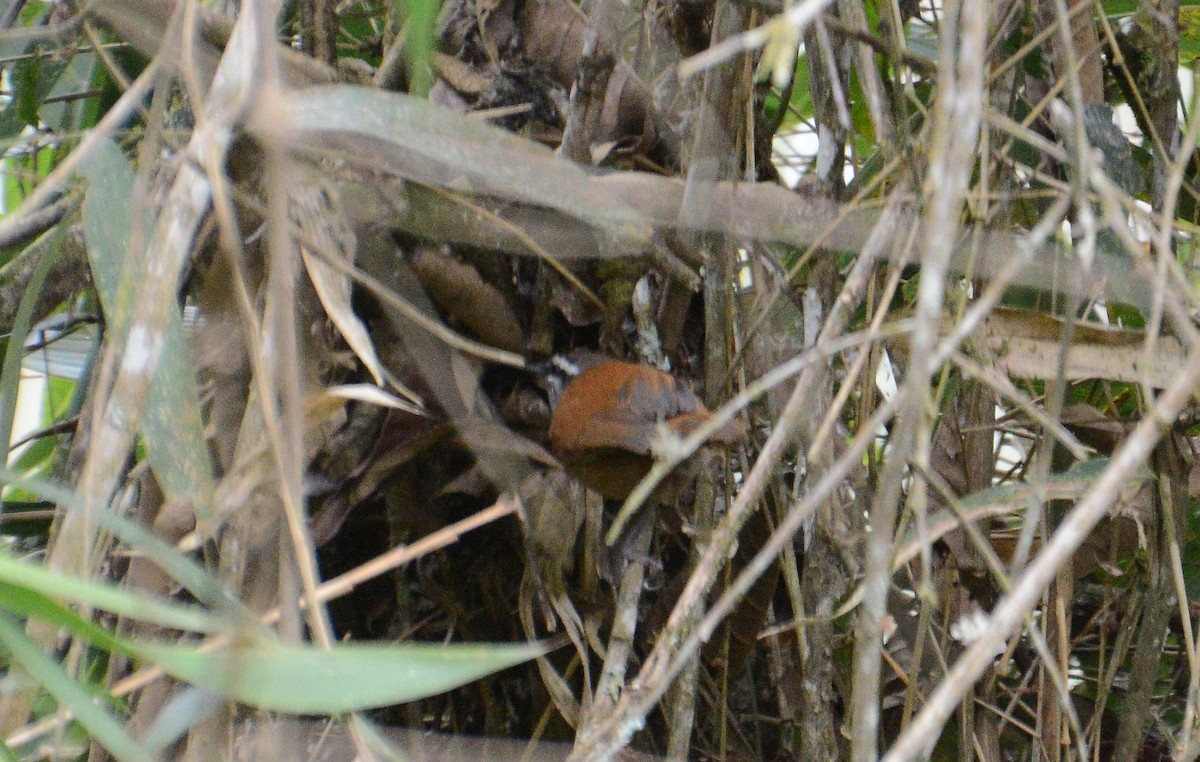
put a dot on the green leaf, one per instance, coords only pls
(31, 604)
(99, 723)
(26, 75)
(436, 146)
(10, 369)
(206, 588)
(171, 426)
(1119, 7)
(1189, 34)
(33, 78)
(76, 76)
(801, 105)
(311, 680)
(126, 602)
(420, 17)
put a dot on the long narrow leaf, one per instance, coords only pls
(10, 377)
(118, 600)
(172, 426)
(424, 142)
(99, 724)
(311, 680)
(182, 569)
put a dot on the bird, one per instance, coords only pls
(607, 417)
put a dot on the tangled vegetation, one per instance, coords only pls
(293, 275)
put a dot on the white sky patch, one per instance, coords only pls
(142, 349)
(885, 377)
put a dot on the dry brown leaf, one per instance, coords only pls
(1094, 429)
(334, 291)
(485, 436)
(460, 293)
(574, 306)
(315, 209)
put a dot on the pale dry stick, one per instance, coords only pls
(53, 32)
(435, 327)
(667, 659)
(129, 101)
(870, 84)
(917, 740)
(669, 452)
(106, 59)
(835, 86)
(519, 233)
(421, 318)
(1176, 306)
(826, 428)
(1034, 43)
(620, 641)
(285, 429)
(1003, 582)
(1157, 298)
(652, 681)
(1162, 246)
(150, 281)
(844, 212)
(949, 345)
(277, 376)
(498, 112)
(334, 588)
(856, 283)
(957, 118)
(1022, 132)
(1001, 384)
(256, 335)
(792, 21)
(227, 227)
(342, 584)
(1187, 748)
(1078, 140)
(1110, 198)
(1171, 531)
(992, 502)
(1068, 124)
(1153, 221)
(670, 455)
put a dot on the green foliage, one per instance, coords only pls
(349, 677)
(800, 107)
(257, 670)
(171, 426)
(1189, 33)
(98, 722)
(42, 120)
(420, 16)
